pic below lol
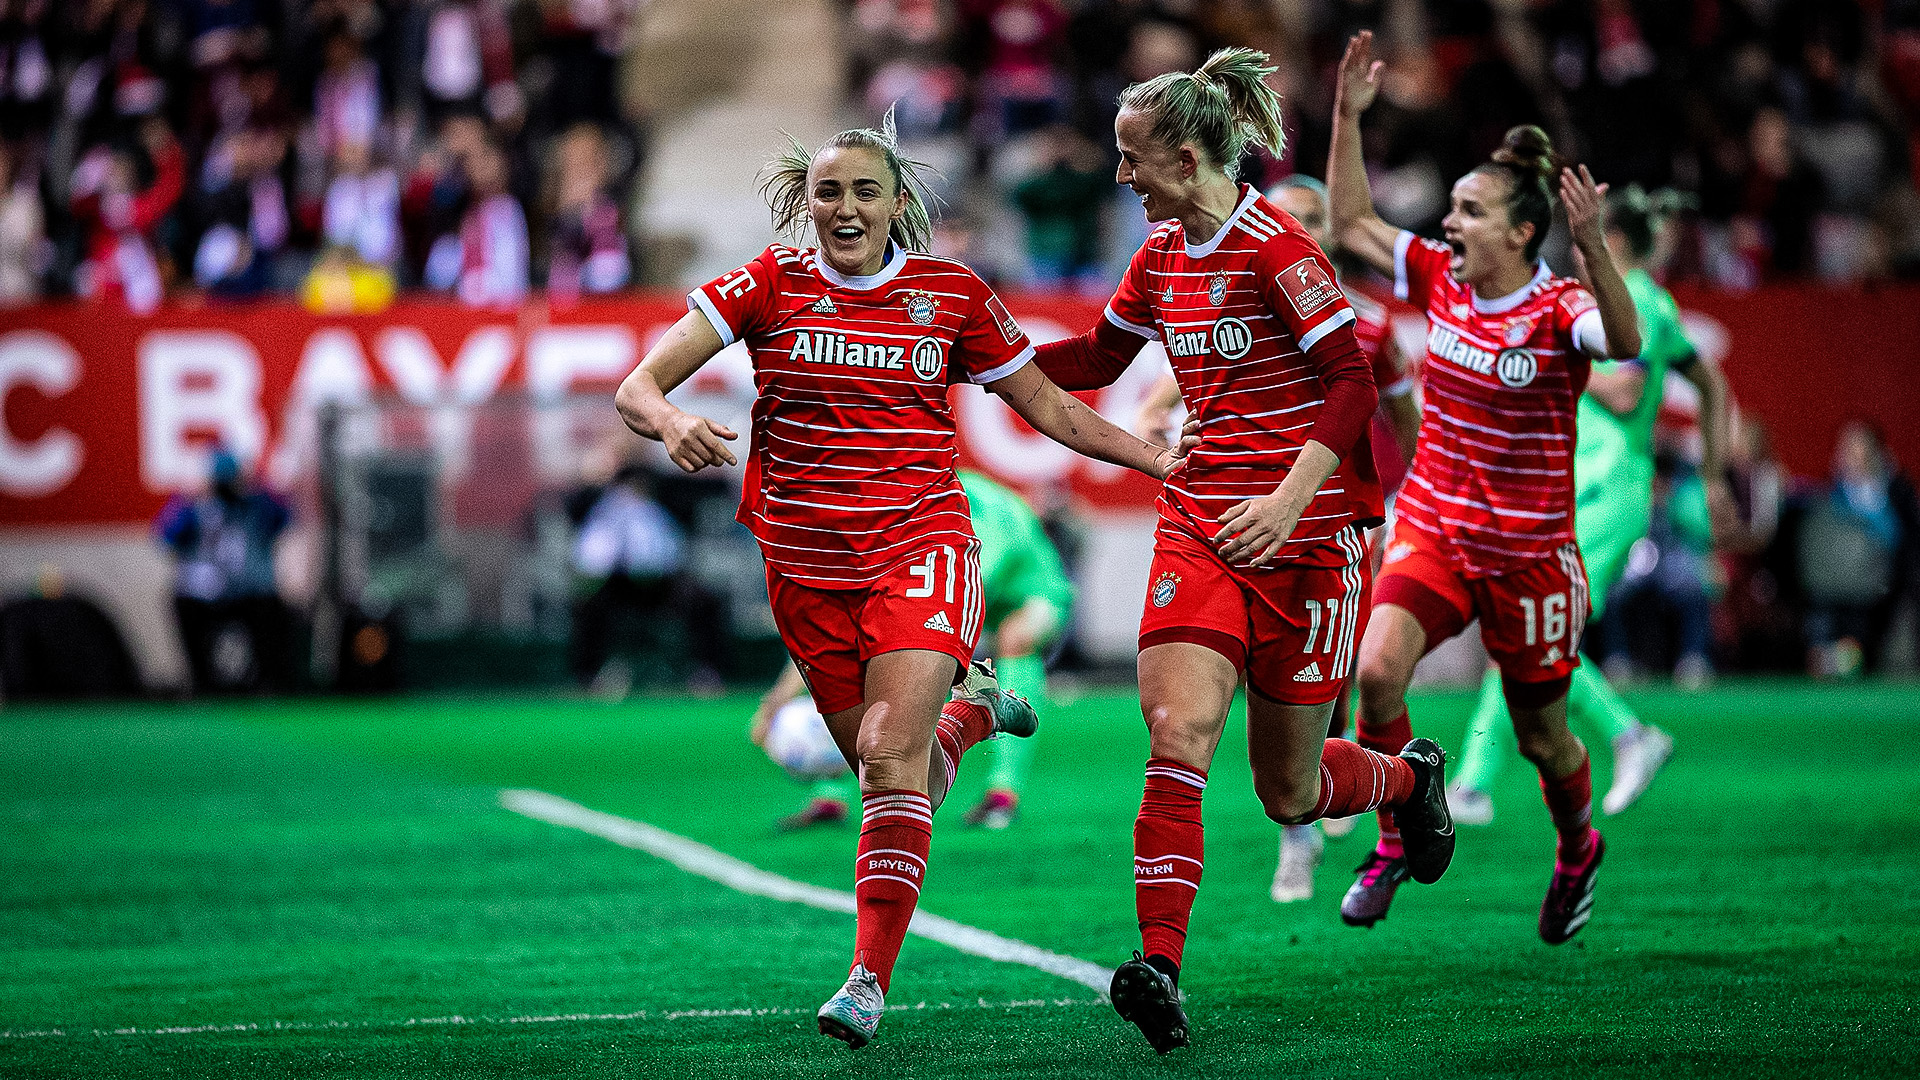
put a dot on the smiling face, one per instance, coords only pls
(1487, 245)
(1159, 176)
(853, 200)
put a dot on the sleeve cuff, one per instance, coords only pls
(1590, 334)
(996, 374)
(1147, 332)
(1400, 245)
(697, 301)
(1327, 326)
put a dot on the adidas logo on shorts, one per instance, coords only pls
(939, 622)
(824, 306)
(1310, 673)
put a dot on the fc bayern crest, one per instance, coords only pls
(1519, 330)
(1164, 588)
(1217, 290)
(920, 308)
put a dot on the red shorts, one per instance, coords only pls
(930, 600)
(1292, 629)
(1530, 619)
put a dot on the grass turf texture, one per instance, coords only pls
(342, 868)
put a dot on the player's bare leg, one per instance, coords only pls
(1566, 781)
(1395, 641)
(1185, 693)
(889, 739)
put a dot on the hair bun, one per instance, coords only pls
(1528, 149)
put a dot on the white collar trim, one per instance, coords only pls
(1201, 251)
(1501, 304)
(896, 261)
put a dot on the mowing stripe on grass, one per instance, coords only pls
(697, 858)
(556, 1018)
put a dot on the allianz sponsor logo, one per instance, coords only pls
(1230, 337)
(825, 347)
(1514, 367)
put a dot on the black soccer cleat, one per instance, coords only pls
(1368, 898)
(1144, 996)
(1569, 902)
(1426, 827)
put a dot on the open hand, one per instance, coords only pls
(694, 442)
(1257, 526)
(1585, 201)
(1359, 79)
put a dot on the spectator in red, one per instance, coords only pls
(1020, 84)
(120, 216)
(587, 250)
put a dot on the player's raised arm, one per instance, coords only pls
(1583, 200)
(693, 442)
(1066, 420)
(1356, 225)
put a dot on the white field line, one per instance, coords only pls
(557, 1018)
(697, 858)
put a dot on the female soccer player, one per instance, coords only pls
(1613, 494)
(1260, 561)
(1392, 434)
(1485, 520)
(872, 565)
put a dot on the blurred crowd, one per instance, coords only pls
(337, 149)
(1793, 124)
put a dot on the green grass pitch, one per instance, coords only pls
(332, 889)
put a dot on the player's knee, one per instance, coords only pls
(1176, 732)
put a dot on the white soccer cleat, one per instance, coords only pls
(1470, 807)
(1300, 848)
(853, 1014)
(1638, 757)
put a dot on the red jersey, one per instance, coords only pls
(850, 466)
(1238, 314)
(1373, 329)
(1493, 472)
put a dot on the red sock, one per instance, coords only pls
(961, 726)
(1168, 849)
(1389, 738)
(896, 831)
(1354, 780)
(1570, 801)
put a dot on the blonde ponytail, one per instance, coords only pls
(783, 183)
(1220, 108)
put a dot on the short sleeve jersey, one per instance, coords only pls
(850, 464)
(1615, 457)
(1493, 472)
(1238, 315)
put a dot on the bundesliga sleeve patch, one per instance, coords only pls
(1577, 302)
(1308, 287)
(1008, 328)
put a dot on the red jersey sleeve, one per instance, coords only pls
(1296, 280)
(1418, 265)
(1576, 318)
(1131, 308)
(740, 302)
(991, 346)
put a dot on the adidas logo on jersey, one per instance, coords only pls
(821, 347)
(1310, 673)
(1554, 656)
(824, 306)
(939, 622)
